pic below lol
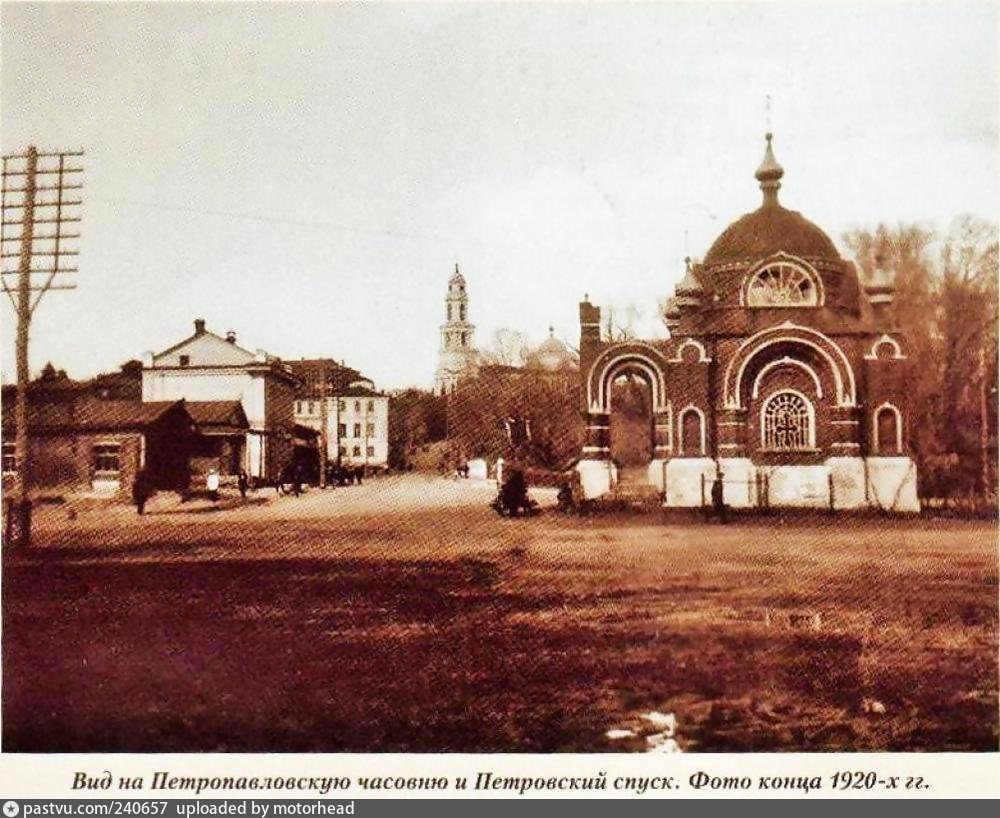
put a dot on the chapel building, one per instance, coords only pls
(784, 374)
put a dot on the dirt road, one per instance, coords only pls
(404, 615)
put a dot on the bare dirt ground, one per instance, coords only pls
(404, 615)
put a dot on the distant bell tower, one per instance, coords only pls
(457, 358)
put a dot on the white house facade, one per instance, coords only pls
(209, 367)
(356, 414)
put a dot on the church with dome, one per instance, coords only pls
(783, 375)
(459, 360)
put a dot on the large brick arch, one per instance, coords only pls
(637, 357)
(791, 335)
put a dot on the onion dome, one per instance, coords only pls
(771, 228)
(689, 291)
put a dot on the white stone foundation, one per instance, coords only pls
(888, 483)
(684, 482)
(739, 482)
(798, 486)
(848, 482)
(892, 484)
(597, 477)
(655, 473)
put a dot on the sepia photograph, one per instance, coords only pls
(499, 377)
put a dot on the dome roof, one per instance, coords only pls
(768, 230)
(771, 228)
(551, 354)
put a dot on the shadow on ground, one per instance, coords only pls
(510, 653)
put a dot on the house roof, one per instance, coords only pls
(216, 412)
(217, 416)
(202, 333)
(358, 391)
(92, 414)
(340, 379)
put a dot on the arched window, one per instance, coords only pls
(887, 430)
(782, 284)
(787, 422)
(692, 433)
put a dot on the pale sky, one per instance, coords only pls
(308, 174)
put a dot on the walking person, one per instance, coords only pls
(243, 482)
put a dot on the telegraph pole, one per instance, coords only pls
(323, 418)
(25, 203)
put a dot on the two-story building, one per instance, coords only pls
(356, 414)
(210, 367)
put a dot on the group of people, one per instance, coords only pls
(143, 487)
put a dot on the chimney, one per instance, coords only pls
(590, 333)
(231, 336)
(199, 326)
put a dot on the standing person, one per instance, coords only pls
(243, 482)
(718, 499)
(212, 484)
(140, 490)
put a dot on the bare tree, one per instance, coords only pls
(621, 323)
(946, 303)
(508, 347)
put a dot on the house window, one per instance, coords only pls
(782, 285)
(341, 406)
(106, 457)
(370, 430)
(787, 422)
(371, 406)
(341, 430)
(184, 360)
(357, 430)
(357, 406)
(343, 451)
(312, 407)
(9, 458)
(357, 451)
(371, 451)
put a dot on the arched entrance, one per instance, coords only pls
(631, 425)
(627, 418)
